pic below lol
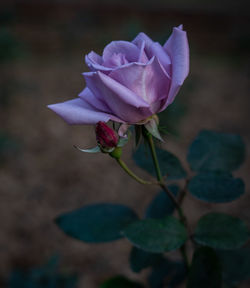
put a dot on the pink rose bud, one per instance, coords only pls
(105, 136)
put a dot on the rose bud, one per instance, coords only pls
(105, 136)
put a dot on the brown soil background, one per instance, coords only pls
(47, 176)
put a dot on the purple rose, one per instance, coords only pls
(130, 82)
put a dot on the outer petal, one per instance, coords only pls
(178, 50)
(87, 96)
(77, 111)
(123, 102)
(149, 82)
(130, 50)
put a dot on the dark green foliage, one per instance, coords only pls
(205, 271)
(235, 264)
(8, 146)
(156, 235)
(162, 205)
(140, 259)
(167, 273)
(97, 223)
(120, 282)
(42, 277)
(169, 163)
(10, 47)
(213, 151)
(171, 117)
(221, 231)
(216, 187)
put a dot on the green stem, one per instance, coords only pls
(160, 178)
(184, 256)
(130, 173)
(168, 192)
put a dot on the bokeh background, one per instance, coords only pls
(42, 48)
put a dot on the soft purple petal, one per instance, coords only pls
(123, 102)
(95, 62)
(116, 60)
(142, 37)
(130, 50)
(77, 111)
(142, 57)
(152, 49)
(178, 51)
(157, 50)
(123, 130)
(92, 100)
(150, 82)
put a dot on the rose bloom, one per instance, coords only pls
(130, 82)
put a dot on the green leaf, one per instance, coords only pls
(171, 117)
(44, 276)
(235, 265)
(96, 223)
(205, 271)
(156, 235)
(120, 282)
(169, 163)
(162, 205)
(213, 151)
(216, 187)
(221, 231)
(167, 274)
(140, 259)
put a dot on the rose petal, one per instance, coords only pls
(91, 99)
(130, 50)
(178, 50)
(77, 111)
(142, 37)
(153, 49)
(95, 62)
(143, 57)
(122, 101)
(123, 130)
(157, 50)
(149, 82)
(116, 60)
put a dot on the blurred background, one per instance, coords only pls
(42, 48)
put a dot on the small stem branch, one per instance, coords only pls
(132, 174)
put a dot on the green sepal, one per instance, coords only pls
(152, 128)
(96, 149)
